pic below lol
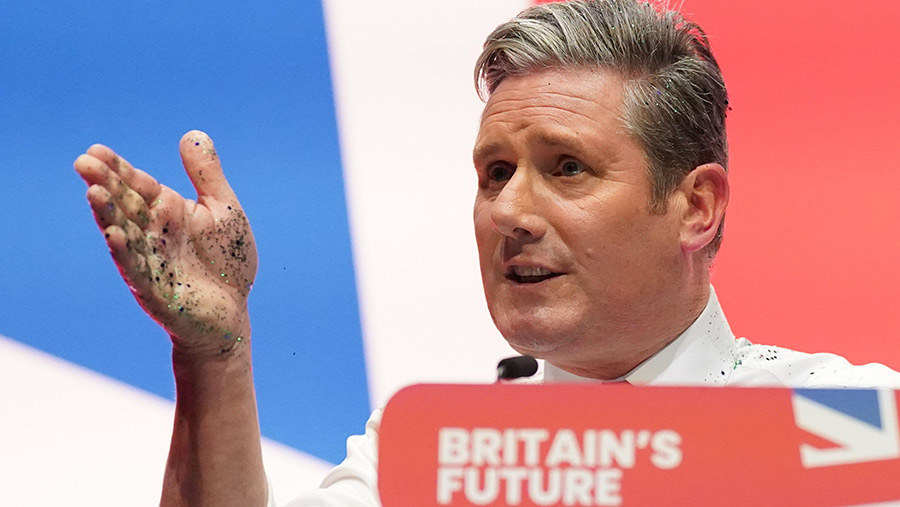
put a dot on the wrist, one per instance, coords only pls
(211, 374)
(213, 341)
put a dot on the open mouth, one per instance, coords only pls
(522, 274)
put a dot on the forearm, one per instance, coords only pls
(190, 264)
(215, 457)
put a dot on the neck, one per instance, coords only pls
(620, 351)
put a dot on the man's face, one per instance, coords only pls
(576, 269)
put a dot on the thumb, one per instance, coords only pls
(203, 167)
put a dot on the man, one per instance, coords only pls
(601, 196)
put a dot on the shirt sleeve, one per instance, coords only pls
(354, 482)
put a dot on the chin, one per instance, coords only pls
(535, 339)
(536, 326)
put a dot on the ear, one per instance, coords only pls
(706, 192)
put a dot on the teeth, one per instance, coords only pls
(526, 271)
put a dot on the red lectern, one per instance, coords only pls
(615, 444)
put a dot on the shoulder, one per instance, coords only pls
(769, 365)
(354, 482)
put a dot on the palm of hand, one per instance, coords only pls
(189, 264)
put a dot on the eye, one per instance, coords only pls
(500, 172)
(570, 167)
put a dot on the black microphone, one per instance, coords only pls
(516, 367)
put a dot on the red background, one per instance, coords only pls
(810, 254)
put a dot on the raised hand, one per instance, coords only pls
(190, 264)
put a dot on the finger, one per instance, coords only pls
(96, 172)
(108, 214)
(132, 264)
(145, 185)
(203, 168)
(90, 169)
(143, 266)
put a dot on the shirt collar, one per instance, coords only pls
(701, 355)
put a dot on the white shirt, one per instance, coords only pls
(705, 354)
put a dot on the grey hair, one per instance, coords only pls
(675, 99)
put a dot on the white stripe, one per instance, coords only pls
(70, 436)
(408, 116)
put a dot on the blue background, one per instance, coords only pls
(136, 76)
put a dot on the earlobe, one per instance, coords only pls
(706, 191)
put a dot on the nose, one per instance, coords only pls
(515, 211)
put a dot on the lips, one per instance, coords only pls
(529, 274)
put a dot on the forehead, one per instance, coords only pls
(553, 103)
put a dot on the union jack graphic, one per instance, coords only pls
(861, 422)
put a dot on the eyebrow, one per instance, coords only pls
(483, 151)
(567, 142)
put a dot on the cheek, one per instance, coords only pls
(485, 236)
(587, 232)
(610, 239)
